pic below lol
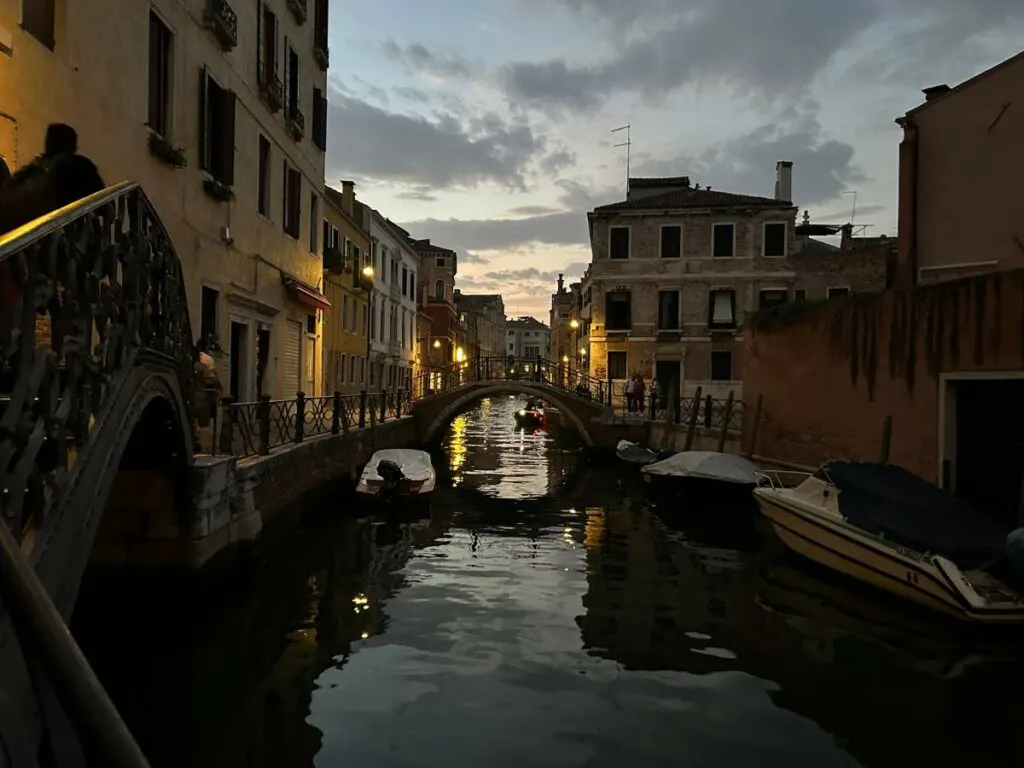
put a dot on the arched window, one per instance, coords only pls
(439, 290)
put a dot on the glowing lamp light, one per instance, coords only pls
(368, 271)
(565, 358)
(574, 324)
(460, 355)
(437, 343)
(583, 353)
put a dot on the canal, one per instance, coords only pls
(544, 615)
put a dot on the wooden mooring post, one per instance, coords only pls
(726, 417)
(691, 426)
(754, 429)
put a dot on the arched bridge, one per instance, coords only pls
(95, 377)
(580, 398)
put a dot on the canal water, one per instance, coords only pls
(545, 614)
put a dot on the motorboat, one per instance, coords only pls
(638, 456)
(397, 474)
(889, 528)
(707, 472)
(530, 416)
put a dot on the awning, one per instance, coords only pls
(306, 294)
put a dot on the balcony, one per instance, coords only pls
(298, 9)
(295, 122)
(322, 55)
(272, 90)
(223, 21)
(334, 261)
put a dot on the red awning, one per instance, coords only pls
(307, 295)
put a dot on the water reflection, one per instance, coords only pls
(546, 615)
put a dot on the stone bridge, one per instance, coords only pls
(95, 384)
(581, 399)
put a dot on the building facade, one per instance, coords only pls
(676, 268)
(436, 295)
(393, 304)
(960, 172)
(483, 317)
(346, 248)
(567, 326)
(219, 111)
(527, 337)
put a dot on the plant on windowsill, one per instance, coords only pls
(162, 148)
(334, 260)
(218, 190)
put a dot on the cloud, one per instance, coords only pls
(420, 194)
(533, 210)
(524, 289)
(412, 94)
(419, 58)
(443, 152)
(765, 50)
(822, 166)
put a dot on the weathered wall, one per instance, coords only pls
(829, 373)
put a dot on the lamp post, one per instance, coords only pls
(574, 324)
(367, 285)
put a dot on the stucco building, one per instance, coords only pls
(567, 326)
(960, 172)
(676, 268)
(219, 111)
(435, 296)
(346, 249)
(483, 318)
(527, 337)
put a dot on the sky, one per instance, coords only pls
(486, 125)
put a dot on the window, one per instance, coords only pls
(311, 324)
(618, 311)
(405, 281)
(320, 27)
(439, 290)
(362, 369)
(618, 238)
(319, 137)
(835, 293)
(722, 308)
(292, 200)
(291, 82)
(721, 365)
(723, 236)
(511, 347)
(440, 261)
(800, 294)
(352, 369)
(37, 17)
(671, 242)
(263, 191)
(266, 51)
(617, 365)
(668, 310)
(217, 130)
(344, 312)
(366, 320)
(771, 297)
(208, 318)
(314, 217)
(159, 75)
(775, 239)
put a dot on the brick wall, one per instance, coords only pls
(862, 270)
(830, 373)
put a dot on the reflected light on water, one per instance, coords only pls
(456, 445)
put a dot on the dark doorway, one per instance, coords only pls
(990, 446)
(262, 357)
(236, 367)
(667, 374)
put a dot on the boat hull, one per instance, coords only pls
(896, 570)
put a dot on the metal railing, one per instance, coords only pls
(256, 429)
(441, 379)
(712, 413)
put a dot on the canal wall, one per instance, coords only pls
(832, 375)
(673, 436)
(230, 500)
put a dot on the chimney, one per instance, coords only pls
(784, 180)
(935, 91)
(348, 197)
(846, 241)
(561, 283)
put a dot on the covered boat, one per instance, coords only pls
(637, 455)
(703, 471)
(397, 474)
(889, 528)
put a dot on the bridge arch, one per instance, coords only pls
(465, 397)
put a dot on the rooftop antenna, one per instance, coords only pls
(627, 144)
(853, 215)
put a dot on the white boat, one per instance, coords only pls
(397, 474)
(886, 527)
(704, 465)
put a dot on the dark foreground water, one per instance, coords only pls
(544, 615)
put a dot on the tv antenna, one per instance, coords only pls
(853, 215)
(627, 144)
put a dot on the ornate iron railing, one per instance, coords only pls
(256, 429)
(82, 291)
(712, 413)
(525, 369)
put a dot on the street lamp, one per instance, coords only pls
(460, 355)
(367, 273)
(437, 343)
(565, 358)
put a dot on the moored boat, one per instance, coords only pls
(636, 455)
(397, 474)
(531, 416)
(703, 472)
(889, 528)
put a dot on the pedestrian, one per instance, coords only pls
(638, 394)
(57, 177)
(655, 397)
(630, 384)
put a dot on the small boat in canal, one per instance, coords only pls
(531, 416)
(397, 475)
(887, 527)
(636, 455)
(703, 472)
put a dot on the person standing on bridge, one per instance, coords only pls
(630, 386)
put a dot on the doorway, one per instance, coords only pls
(987, 464)
(238, 362)
(667, 373)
